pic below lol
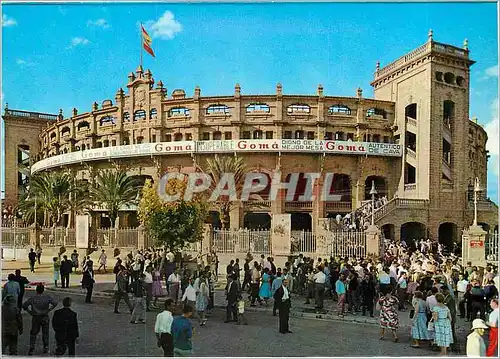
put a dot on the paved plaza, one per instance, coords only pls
(103, 333)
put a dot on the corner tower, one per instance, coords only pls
(430, 87)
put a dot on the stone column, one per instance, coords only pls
(474, 246)
(206, 245)
(358, 194)
(281, 227)
(236, 216)
(373, 240)
(322, 238)
(318, 204)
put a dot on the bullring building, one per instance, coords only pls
(414, 140)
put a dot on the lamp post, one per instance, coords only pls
(477, 189)
(373, 192)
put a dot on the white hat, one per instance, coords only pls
(478, 324)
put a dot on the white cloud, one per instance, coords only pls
(165, 28)
(99, 23)
(78, 41)
(24, 63)
(491, 71)
(8, 21)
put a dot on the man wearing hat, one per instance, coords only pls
(475, 343)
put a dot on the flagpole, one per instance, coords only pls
(140, 33)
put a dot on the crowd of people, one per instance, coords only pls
(415, 279)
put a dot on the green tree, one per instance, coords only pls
(50, 193)
(113, 189)
(217, 167)
(172, 224)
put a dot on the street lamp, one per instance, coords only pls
(373, 192)
(477, 189)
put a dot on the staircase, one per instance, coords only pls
(389, 207)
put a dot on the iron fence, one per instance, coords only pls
(241, 241)
(303, 242)
(15, 237)
(346, 244)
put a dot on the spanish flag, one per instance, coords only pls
(146, 42)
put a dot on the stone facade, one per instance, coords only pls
(421, 101)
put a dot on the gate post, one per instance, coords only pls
(373, 240)
(281, 227)
(473, 246)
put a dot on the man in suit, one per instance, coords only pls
(65, 326)
(282, 298)
(66, 269)
(232, 299)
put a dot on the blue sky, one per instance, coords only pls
(65, 56)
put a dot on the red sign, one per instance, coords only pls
(476, 243)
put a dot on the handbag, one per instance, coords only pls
(412, 313)
(430, 326)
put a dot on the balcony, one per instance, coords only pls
(447, 132)
(411, 153)
(446, 169)
(344, 206)
(411, 122)
(250, 206)
(411, 187)
(298, 206)
(34, 115)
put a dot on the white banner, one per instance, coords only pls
(166, 148)
(82, 231)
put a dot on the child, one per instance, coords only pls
(57, 267)
(241, 311)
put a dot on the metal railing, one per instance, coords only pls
(303, 242)
(346, 244)
(42, 116)
(491, 247)
(15, 237)
(241, 241)
(118, 238)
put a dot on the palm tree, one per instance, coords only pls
(49, 193)
(113, 189)
(216, 169)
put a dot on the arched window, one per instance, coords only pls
(83, 147)
(449, 78)
(178, 111)
(258, 107)
(106, 143)
(126, 117)
(217, 110)
(178, 137)
(153, 114)
(53, 136)
(460, 81)
(340, 109)
(139, 115)
(83, 125)
(376, 112)
(107, 120)
(298, 109)
(411, 111)
(65, 131)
